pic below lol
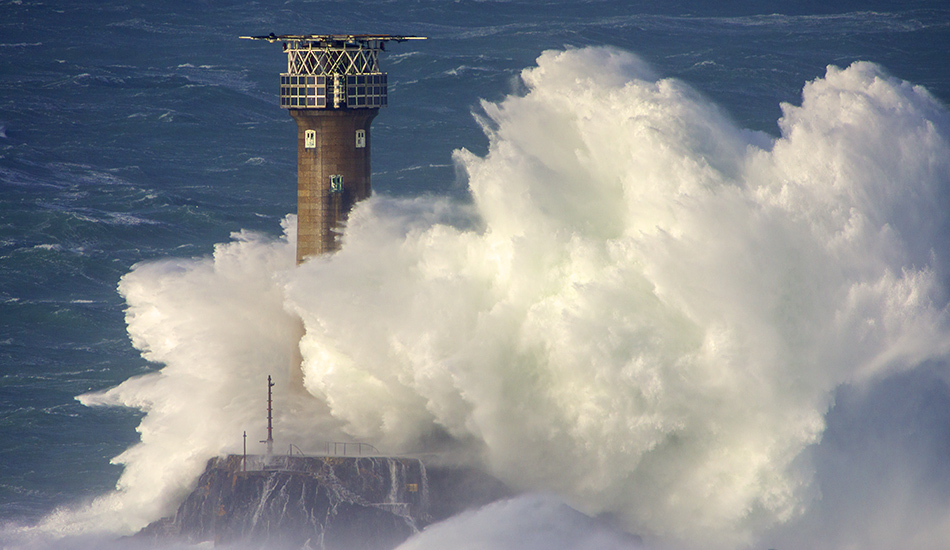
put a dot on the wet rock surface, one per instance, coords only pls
(329, 503)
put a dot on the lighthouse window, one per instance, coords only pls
(336, 183)
(307, 91)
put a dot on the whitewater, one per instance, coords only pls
(643, 313)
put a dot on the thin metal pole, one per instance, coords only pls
(244, 460)
(270, 424)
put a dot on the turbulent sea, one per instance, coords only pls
(680, 268)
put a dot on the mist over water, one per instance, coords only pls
(645, 310)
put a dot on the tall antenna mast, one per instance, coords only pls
(270, 423)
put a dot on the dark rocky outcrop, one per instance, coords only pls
(330, 503)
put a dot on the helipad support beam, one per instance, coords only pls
(333, 89)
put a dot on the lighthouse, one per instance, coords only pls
(333, 89)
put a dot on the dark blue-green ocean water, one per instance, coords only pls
(132, 131)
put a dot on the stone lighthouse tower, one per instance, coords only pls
(333, 89)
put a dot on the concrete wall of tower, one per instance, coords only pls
(335, 151)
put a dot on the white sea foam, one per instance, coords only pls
(530, 522)
(645, 311)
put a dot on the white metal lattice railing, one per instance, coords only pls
(323, 59)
